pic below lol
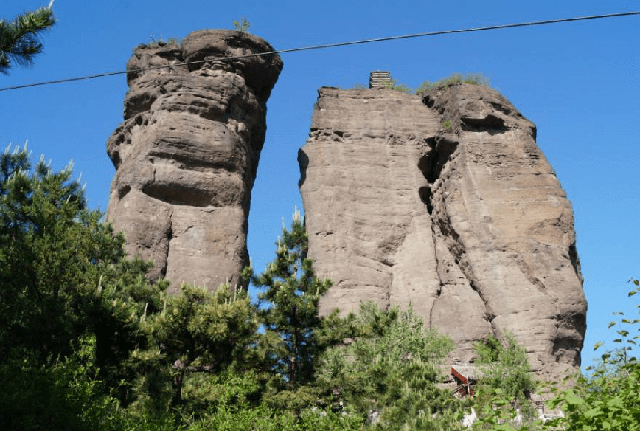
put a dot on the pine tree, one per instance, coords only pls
(63, 273)
(20, 37)
(392, 367)
(289, 304)
(66, 287)
(197, 333)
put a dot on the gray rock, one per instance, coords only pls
(444, 201)
(187, 154)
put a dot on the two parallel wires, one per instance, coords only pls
(327, 46)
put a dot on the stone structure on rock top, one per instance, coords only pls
(380, 79)
(444, 201)
(187, 153)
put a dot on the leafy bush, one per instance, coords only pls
(392, 85)
(427, 86)
(608, 399)
(403, 88)
(605, 400)
(505, 385)
(505, 366)
(242, 25)
(66, 395)
(160, 41)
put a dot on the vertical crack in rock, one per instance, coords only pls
(187, 154)
(515, 225)
(169, 237)
(469, 225)
(460, 309)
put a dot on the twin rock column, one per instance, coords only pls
(442, 200)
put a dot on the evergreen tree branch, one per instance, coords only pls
(20, 38)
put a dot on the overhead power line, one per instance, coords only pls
(330, 45)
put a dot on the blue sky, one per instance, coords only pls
(578, 82)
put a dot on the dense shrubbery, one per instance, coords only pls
(70, 302)
(504, 389)
(87, 342)
(505, 367)
(392, 368)
(605, 399)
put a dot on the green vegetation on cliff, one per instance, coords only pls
(87, 342)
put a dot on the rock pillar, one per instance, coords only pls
(187, 154)
(446, 202)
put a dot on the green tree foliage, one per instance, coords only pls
(87, 342)
(390, 368)
(62, 271)
(505, 385)
(20, 37)
(505, 366)
(66, 395)
(196, 333)
(289, 304)
(64, 276)
(608, 398)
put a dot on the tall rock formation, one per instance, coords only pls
(187, 153)
(444, 201)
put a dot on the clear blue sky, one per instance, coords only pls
(578, 82)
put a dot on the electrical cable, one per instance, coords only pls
(329, 45)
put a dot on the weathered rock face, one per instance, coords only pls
(444, 201)
(187, 154)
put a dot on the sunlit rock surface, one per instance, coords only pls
(446, 202)
(187, 154)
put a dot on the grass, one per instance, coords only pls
(153, 42)
(427, 86)
(456, 78)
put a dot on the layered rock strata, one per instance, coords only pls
(187, 154)
(444, 201)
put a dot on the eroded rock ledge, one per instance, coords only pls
(444, 201)
(187, 154)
